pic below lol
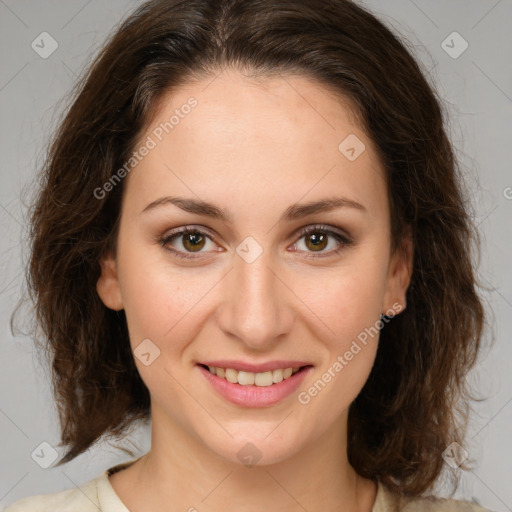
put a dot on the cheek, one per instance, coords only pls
(350, 307)
(156, 296)
(350, 298)
(158, 303)
(164, 306)
(350, 304)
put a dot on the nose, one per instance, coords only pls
(257, 304)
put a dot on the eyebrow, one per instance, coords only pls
(293, 212)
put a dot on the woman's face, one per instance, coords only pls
(250, 287)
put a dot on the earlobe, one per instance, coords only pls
(408, 259)
(400, 274)
(107, 285)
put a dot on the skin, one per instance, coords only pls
(253, 148)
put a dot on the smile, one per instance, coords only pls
(261, 379)
(254, 389)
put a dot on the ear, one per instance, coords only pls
(107, 285)
(399, 276)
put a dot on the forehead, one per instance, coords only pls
(273, 137)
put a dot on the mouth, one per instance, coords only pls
(254, 389)
(260, 379)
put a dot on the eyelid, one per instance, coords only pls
(341, 237)
(176, 233)
(330, 230)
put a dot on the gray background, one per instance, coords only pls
(477, 90)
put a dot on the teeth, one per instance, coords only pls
(261, 379)
(231, 375)
(246, 378)
(277, 376)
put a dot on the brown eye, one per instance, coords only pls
(317, 238)
(193, 241)
(185, 243)
(316, 242)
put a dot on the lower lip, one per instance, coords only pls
(255, 396)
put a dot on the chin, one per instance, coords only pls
(249, 449)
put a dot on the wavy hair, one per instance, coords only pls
(414, 403)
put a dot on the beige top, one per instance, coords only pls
(98, 495)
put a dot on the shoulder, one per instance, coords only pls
(96, 494)
(388, 501)
(442, 505)
(80, 499)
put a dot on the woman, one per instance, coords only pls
(251, 230)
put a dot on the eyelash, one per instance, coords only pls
(343, 240)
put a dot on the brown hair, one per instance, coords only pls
(414, 402)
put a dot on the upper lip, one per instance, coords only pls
(256, 368)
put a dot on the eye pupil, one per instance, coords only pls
(196, 239)
(317, 240)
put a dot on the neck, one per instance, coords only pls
(181, 470)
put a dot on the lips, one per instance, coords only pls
(254, 395)
(255, 368)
